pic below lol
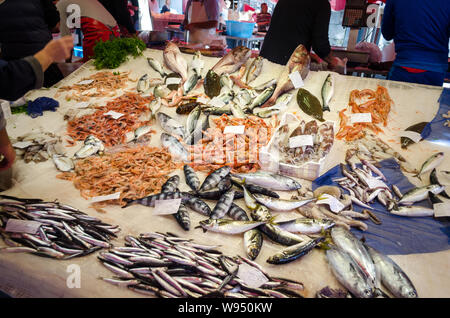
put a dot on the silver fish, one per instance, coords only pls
(190, 83)
(433, 162)
(348, 273)
(293, 252)
(192, 118)
(232, 61)
(243, 97)
(156, 66)
(263, 86)
(254, 69)
(197, 63)
(175, 147)
(346, 241)
(327, 92)
(143, 84)
(171, 126)
(269, 180)
(155, 105)
(237, 110)
(228, 226)
(161, 91)
(262, 98)
(305, 225)
(392, 276)
(420, 193)
(413, 211)
(281, 205)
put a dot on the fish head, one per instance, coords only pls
(241, 53)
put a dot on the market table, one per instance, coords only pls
(26, 275)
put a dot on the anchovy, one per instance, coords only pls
(293, 252)
(223, 205)
(269, 180)
(214, 178)
(281, 205)
(348, 273)
(392, 276)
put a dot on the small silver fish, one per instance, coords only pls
(197, 63)
(254, 69)
(156, 66)
(170, 125)
(174, 147)
(237, 110)
(327, 92)
(433, 162)
(229, 226)
(262, 98)
(143, 84)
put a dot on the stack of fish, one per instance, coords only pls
(169, 266)
(38, 147)
(363, 270)
(62, 232)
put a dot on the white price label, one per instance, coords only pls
(441, 209)
(416, 137)
(237, 130)
(300, 141)
(22, 226)
(114, 196)
(203, 100)
(252, 276)
(361, 118)
(169, 206)
(6, 108)
(334, 204)
(216, 102)
(85, 82)
(296, 79)
(173, 80)
(23, 144)
(114, 114)
(375, 183)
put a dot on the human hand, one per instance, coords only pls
(8, 154)
(55, 50)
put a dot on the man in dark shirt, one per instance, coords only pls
(263, 18)
(297, 22)
(119, 10)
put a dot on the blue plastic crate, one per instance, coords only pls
(240, 29)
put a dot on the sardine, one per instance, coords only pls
(170, 125)
(156, 66)
(392, 276)
(348, 273)
(293, 252)
(191, 178)
(269, 180)
(174, 147)
(327, 92)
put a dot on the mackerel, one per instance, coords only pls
(269, 180)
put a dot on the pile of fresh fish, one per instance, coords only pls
(363, 270)
(169, 266)
(51, 229)
(38, 147)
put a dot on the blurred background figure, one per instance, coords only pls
(26, 26)
(263, 18)
(97, 24)
(119, 9)
(153, 6)
(166, 7)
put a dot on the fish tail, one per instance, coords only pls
(326, 108)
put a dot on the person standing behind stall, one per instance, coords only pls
(296, 22)
(120, 11)
(421, 32)
(263, 18)
(166, 7)
(25, 28)
(97, 24)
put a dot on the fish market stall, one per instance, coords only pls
(106, 142)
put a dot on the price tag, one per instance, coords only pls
(203, 100)
(237, 130)
(252, 276)
(114, 114)
(169, 206)
(300, 141)
(114, 196)
(361, 118)
(6, 108)
(416, 137)
(375, 183)
(334, 204)
(216, 102)
(23, 144)
(173, 80)
(85, 82)
(296, 79)
(22, 226)
(441, 209)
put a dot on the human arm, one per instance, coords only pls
(388, 21)
(6, 149)
(319, 36)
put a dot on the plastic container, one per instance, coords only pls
(240, 29)
(78, 51)
(269, 161)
